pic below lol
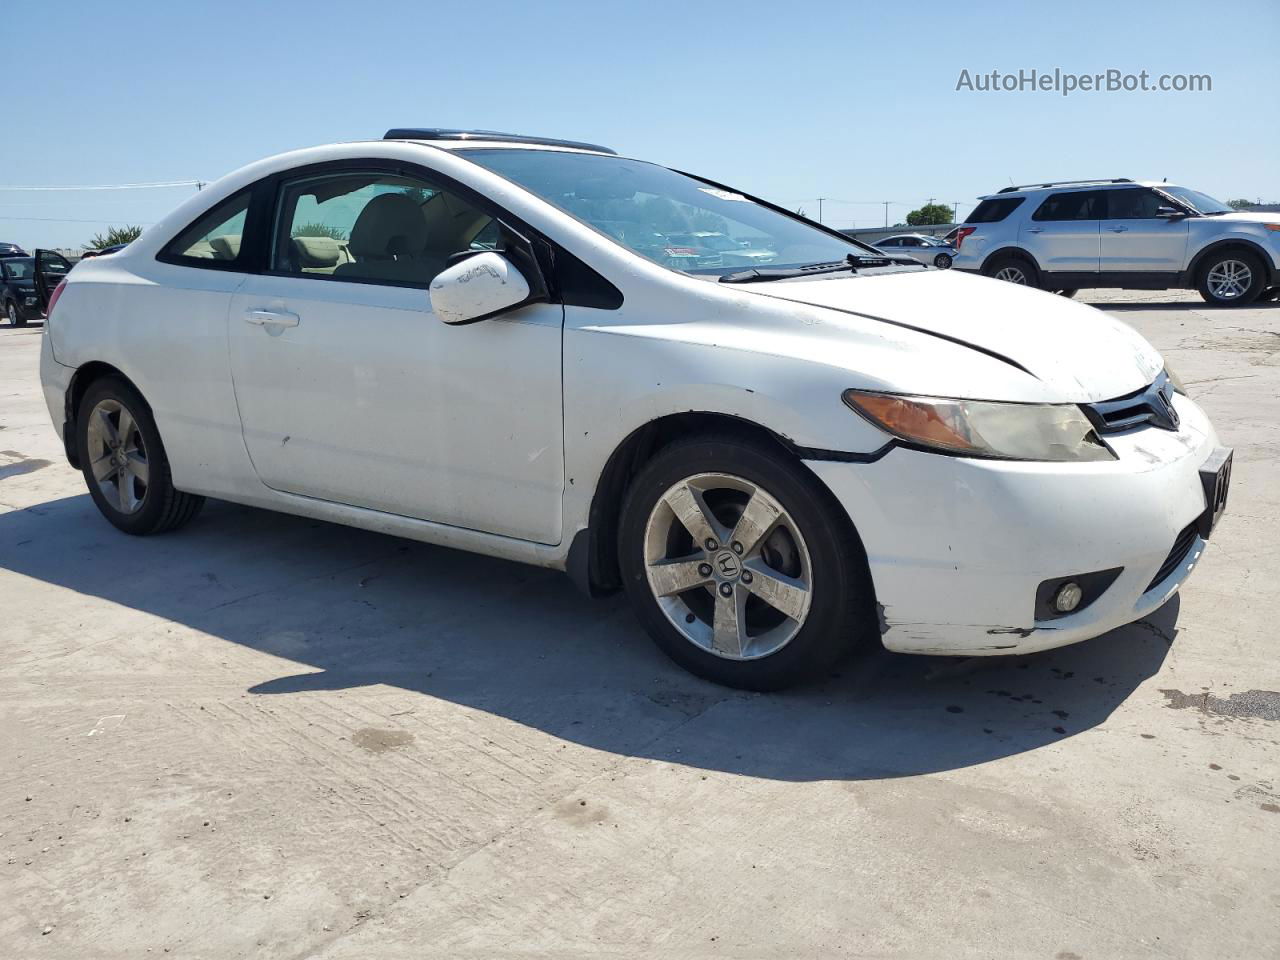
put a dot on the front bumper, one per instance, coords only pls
(957, 547)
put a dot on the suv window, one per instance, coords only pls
(994, 209)
(1133, 204)
(215, 239)
(374, 227)
(1080, 205)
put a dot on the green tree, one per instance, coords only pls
(317, 230)
(113, 236)
(929, 214)
(1239, 204)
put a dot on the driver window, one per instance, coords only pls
(372, 228)
(1133, 204)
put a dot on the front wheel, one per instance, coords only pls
(1231, 279)
(741, 566)
(11, 313)
(942, 261)
(124, 462)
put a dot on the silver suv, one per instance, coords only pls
(1139, 235)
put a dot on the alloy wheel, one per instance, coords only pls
(1012, 274)
(1229, 279)
(118, 456)
(12, 313)
(728, 566)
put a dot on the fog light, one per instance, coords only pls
(1068, 597)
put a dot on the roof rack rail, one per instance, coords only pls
(1062, 183)
(437, 133)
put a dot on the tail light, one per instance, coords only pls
(961, 234)
(53, 297)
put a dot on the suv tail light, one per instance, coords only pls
(53, 297)
(961, 234)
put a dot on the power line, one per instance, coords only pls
(114, 186)
(141, 223)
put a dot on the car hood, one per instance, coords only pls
(1079, 352)
(1244, 216)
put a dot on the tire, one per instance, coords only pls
(836, 608)
(1269, 295)
(146, 502)
(1226, 271)
(14, 316)
(1066, 293)
(942, 261)
(1008, 266)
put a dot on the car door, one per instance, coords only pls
(350, 390)
(1135, 240)
(1062, 233)
(50, 269)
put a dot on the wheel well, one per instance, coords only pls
(84, 377)
(1016, 252)
(1222, 246)
(593, 555)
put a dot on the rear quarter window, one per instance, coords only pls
(994, 209)
(215, 239)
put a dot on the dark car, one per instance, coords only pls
(114, 248)
(12, 250)
(19, 300)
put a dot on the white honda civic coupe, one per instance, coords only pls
(492, 342)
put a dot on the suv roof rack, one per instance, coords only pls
(437, 133)
(1062, 183)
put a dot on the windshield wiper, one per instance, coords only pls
(852, 262)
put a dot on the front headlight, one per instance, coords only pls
(1175, 381)
(982, 428)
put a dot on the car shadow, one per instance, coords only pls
(1112, 307)
(353, 608)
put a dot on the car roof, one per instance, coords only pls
(447, 139)
(1073, 187)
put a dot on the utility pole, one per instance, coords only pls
(820, 199)
(955, 211)
(886, 213)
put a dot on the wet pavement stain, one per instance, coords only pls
(380, 741)
(1252, 704)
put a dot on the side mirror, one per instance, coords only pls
(1169, 213)
(477, 288)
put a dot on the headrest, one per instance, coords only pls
(390, 225)
(225, 247)
(316, 251)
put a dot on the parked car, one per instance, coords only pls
(19, 301)
(104, 251)
(1137, 235)
(729, 252)
(777, 464)
(930, 251)
(12, 250)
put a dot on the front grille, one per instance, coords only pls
(1181, 547)
(1152, 404)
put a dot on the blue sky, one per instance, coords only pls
(852, 101)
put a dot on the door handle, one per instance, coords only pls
(1117, 229)
(279, 318)
(1035, 229)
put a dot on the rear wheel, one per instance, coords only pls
(124, 462)
(1231, 279)
(740, 566)
(1013, 269)
(1066, 293)
(11, 314)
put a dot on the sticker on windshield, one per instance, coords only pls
(724, 194)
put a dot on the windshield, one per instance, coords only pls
(669, 218)
(1197, 201)
(19, 268)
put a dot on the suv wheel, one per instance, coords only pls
(1013, 269)
(124, 463)
(738, 567)
(1231, 278)
(1066, 293)
(15, 318)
